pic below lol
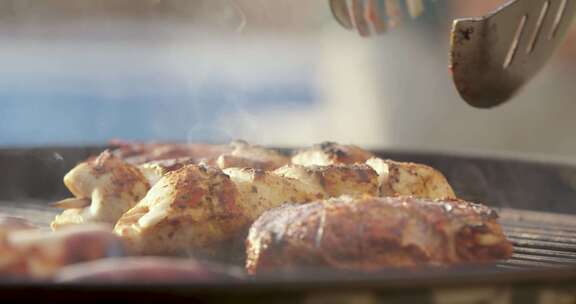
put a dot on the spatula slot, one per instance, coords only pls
(538, 28)
(514, 46)
(558, 19)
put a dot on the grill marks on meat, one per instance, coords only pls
(370, 233)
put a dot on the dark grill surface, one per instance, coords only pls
(541, 240)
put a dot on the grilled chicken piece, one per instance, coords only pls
(237, 154)
(395, 178)
(370, 234)
(260, 190)
(154, 170)
(330, 153)
(140, 153)
(195, 207)
(410, 179)
(104, 188)
(335, 180)
(245, 155)
(37, 254)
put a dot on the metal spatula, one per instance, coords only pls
(493, 56)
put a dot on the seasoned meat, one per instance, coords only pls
(197, 209)
(410, 179)
(395, 178)
(245, 155)
(335, 180)
(154, 170)
(40, 254)
(260, 190)
(103, 188)
(193, 208)
(330, 153)
(140, 153)
(369, 234)
(236, 154)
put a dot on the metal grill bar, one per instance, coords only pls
(541, 240)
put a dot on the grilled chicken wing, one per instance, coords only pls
(104, 188)
(370, 233)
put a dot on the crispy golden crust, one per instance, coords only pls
(104, 188)
(369, 234)
(330, 153)
(193, 208)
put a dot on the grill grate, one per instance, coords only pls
(541, 240)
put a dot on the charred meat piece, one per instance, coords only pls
(330, 153)
(103, 188)
(145, 270)
(38, 254)
(369, 234)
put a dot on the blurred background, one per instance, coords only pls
(271, 72)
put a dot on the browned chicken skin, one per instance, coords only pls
(369, 234)
(330, 153)
(236, 154)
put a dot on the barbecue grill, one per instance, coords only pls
(534, 196)
(535, 206)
